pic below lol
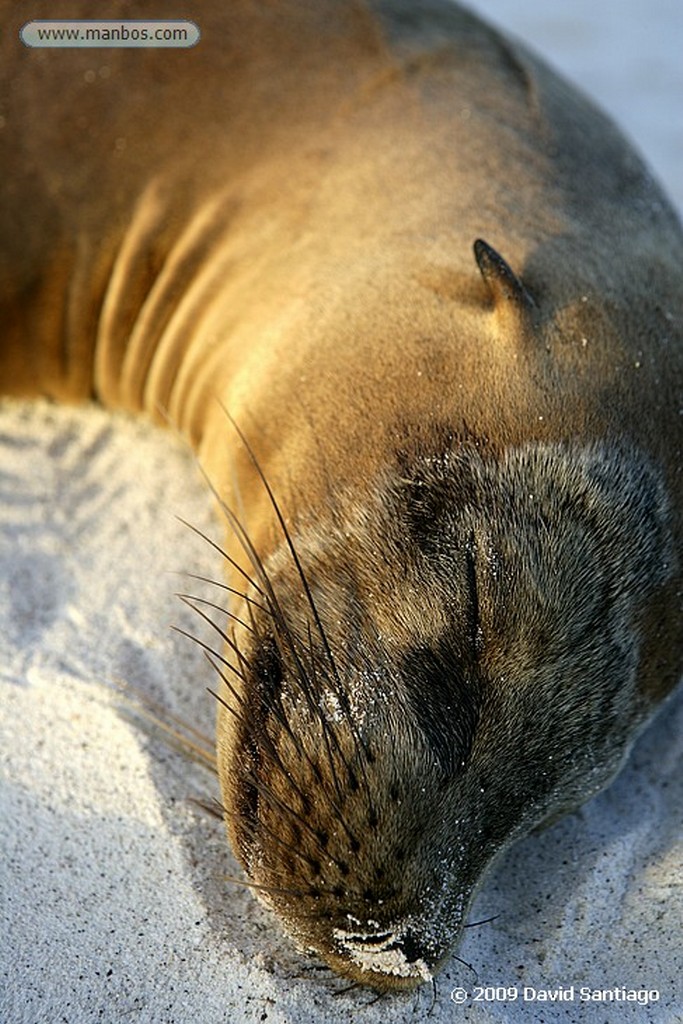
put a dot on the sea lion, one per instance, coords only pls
(452, 476)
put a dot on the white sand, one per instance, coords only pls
(114, 906)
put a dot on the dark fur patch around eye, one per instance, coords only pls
(444, 696)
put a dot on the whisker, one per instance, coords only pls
(269, 751)
(184, 744)
(229, 590)
(284, 808)
(221, 551)
(313, 892)
(282, 629)
(272, 755)
(212, 807)
(433, 1002)
(469, 966)
(191, 599)
(287, 536)
(289, 847)
(164, 713)
(276, 709)
(279, 715)
(263, 888)
(222, 701)
(487, 920)
(218, 670)
(214, 625)
(206, 647)
(161, 718)
(353, 987)
(324, 727)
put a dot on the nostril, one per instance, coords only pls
(413, 949)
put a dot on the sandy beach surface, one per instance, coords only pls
(115, 903)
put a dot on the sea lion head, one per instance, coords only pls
(445, 664)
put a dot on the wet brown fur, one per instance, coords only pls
(471, 601)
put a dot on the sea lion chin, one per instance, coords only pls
(417, 306)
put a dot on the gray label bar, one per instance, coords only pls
(86, 34)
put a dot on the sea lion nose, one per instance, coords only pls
(402, 954)
(415, 950)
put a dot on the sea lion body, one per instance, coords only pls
(472, 602)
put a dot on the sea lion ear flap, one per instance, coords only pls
(506, 291)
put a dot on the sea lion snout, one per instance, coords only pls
(340, 810)
(447, 666)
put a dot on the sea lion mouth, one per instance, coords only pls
(391, 955)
